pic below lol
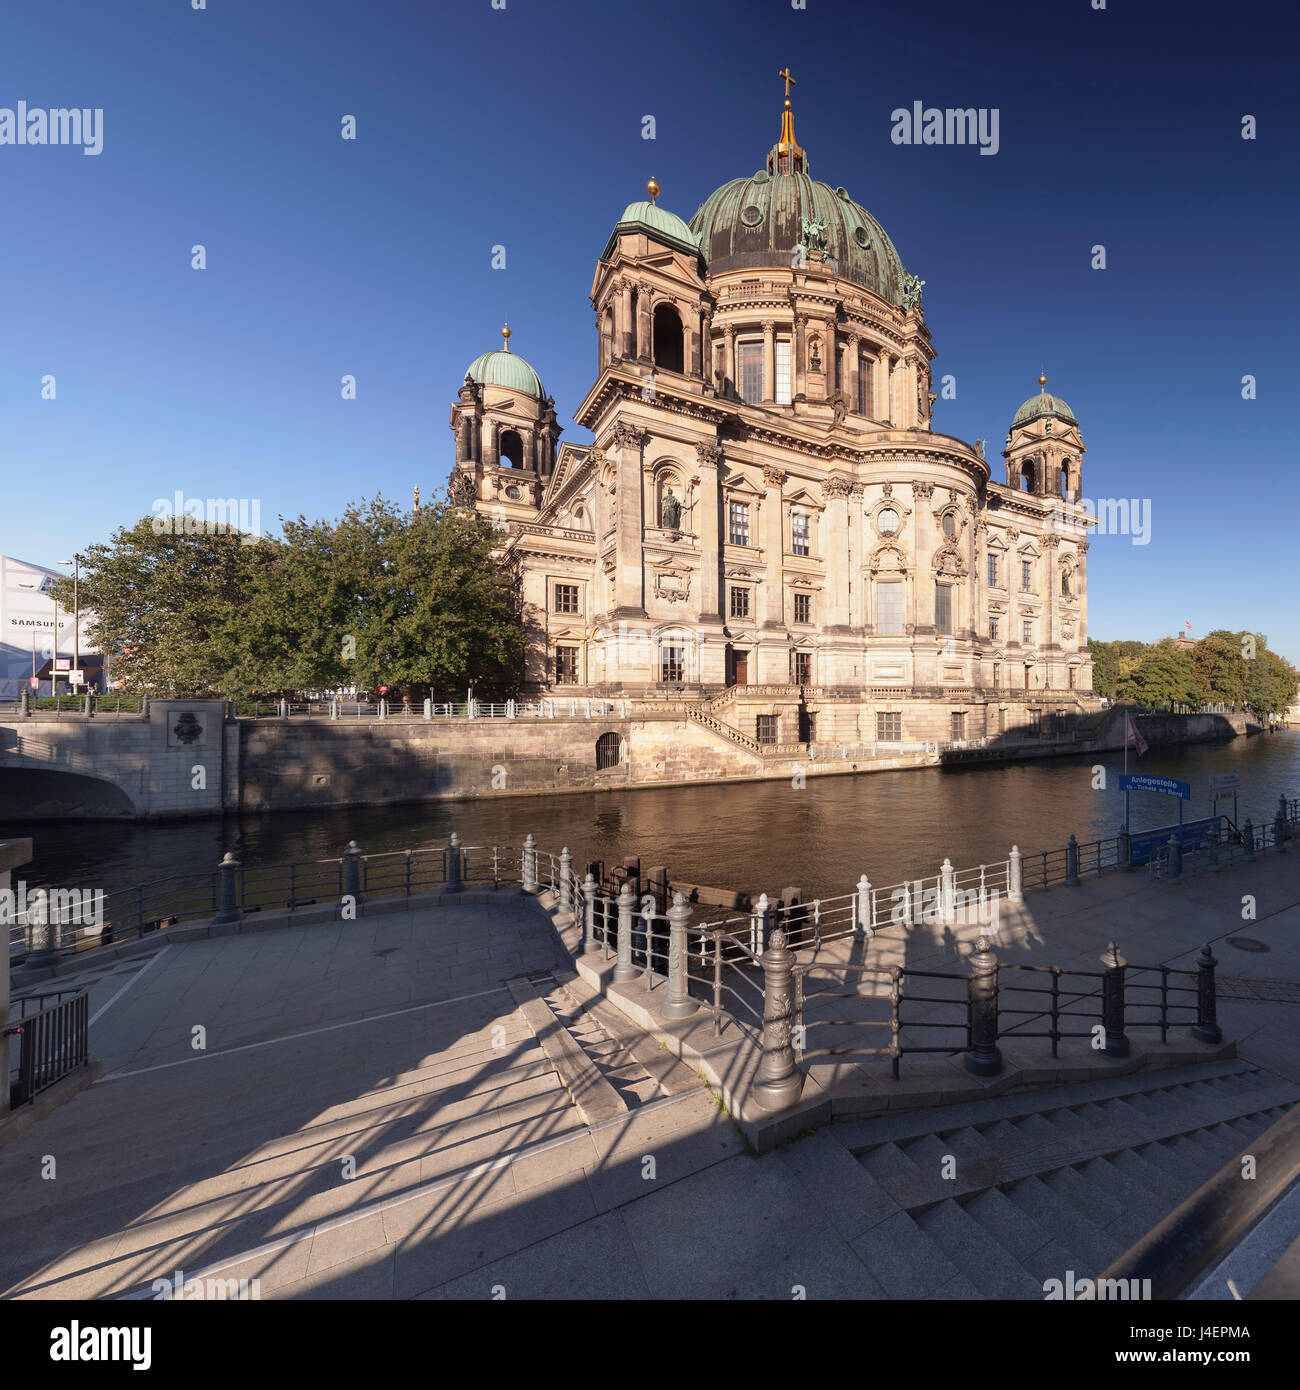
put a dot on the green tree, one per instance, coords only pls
(1162, 675)
(1271, 681)
(1220, 667)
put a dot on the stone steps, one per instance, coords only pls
(1012, 1192)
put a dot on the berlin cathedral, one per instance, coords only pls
(766, 521)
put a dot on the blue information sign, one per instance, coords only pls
(1167, 786)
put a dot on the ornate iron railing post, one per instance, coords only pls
(529, 865)
(452, 865)
(566, 880)
(758, 925)
(983, 1057)
(229, 909)
(1112, 1002)
(1279, 825)
(946, 891)
(1072, 862)
(1248, 839)
(865, 925)
(625, 970)
(779, 1084)
(589, 912)
(352, 872)
(1015, 877)
(679, 1003)
(1174, 857)
(1207, 1028)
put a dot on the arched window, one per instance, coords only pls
(512, 448)
(1065, 481)
(1027, 475)
(669, 352)
(609, 751)
(606, 337)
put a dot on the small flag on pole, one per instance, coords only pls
(1187, 624)
(1135, 738)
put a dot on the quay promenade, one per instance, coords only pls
(453, 1099)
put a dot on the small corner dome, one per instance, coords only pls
(659, 223)
(506, 369)
(1043, 404)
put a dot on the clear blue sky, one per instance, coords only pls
(522, 127)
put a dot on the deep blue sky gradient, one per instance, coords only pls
(523, 127)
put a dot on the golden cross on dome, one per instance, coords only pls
(785, 72)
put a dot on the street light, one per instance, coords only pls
(75, 562)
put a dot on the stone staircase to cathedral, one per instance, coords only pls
(725, 730)
(989, 1200)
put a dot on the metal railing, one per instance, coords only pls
(53, 1041)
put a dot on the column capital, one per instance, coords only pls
(837, 485)
(627, 435)
(708, 453)
(769, 326)
(773, 477)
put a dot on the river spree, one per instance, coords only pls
(751, 835)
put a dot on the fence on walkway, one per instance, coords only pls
(53, 1039)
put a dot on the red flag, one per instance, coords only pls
(1187, 625)
(1135, 738)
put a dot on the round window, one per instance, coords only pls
(860, 236)
(887, 521)
(949, 524)
(752, 216)
(512, 492)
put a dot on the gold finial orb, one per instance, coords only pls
(652, 188)
(505, 336)
(1042, 381)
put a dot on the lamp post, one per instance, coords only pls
(75, 562)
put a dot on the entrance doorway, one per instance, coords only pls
(739, 664)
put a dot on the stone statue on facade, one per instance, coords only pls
(670, 512)
(912, 288)
(814, 235)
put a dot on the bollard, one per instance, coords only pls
(947, 891)
(1175, 857)
(530, 864)
(625, 970)
(1124, 850)
(284, 708)
(566, 881)
(679, 1003)
(24, 705)
(1072, 862)
(352, 872)
(1015, 878)
(334, 707)
(1112, 1002)
(589, 912)
(758, 925)
(1207, 1028)
(428, 709)
(1248, 839)
(453, 865)
(229, 908)
(510, 709)
(88, 711)
(779, 1084)
(864, 925)
(983, 1057)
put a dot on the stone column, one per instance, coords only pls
(625, 327)
(706, 347)
(883, 403)
(922, 555)
(462, 439)
(1050, 633)
(774, 546)
(644, 309)
(799, 351)
(705, 519)
(1081, 636)
(908, 415)
(476, 439)
(628, 595)
(769, 361)
(692, 362)
(835, 551)
(853, 372)
(491, 443)
(857, 551)
(729, 360)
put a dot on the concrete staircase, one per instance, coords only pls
(988, 1200)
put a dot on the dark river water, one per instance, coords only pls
(754, 836)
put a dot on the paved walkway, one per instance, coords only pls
(370, 1116)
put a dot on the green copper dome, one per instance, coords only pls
(755, 222)
(1044, 404)
(506, 369)
(661, 224)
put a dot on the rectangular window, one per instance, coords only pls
(749, 367)
(1027, 630)
(802, 668)
(740, 603)
(1026, 575)
(1073, 673)
(766, 728)
(889, 606)
(993, 629)
(958, 727)
(1036, 721)
(997, 675)
(864, 386)
(803, 608)
(566, 666)
(566, 598)
(889, 727)
(738, 523)
(993, 571)
(672, 663)
(799, 533)
(943, 607)
(783, 371)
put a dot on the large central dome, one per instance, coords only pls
(755, 222)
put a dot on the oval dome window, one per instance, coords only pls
(751, 216)
(861, 237)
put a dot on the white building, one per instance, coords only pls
(27, 631)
